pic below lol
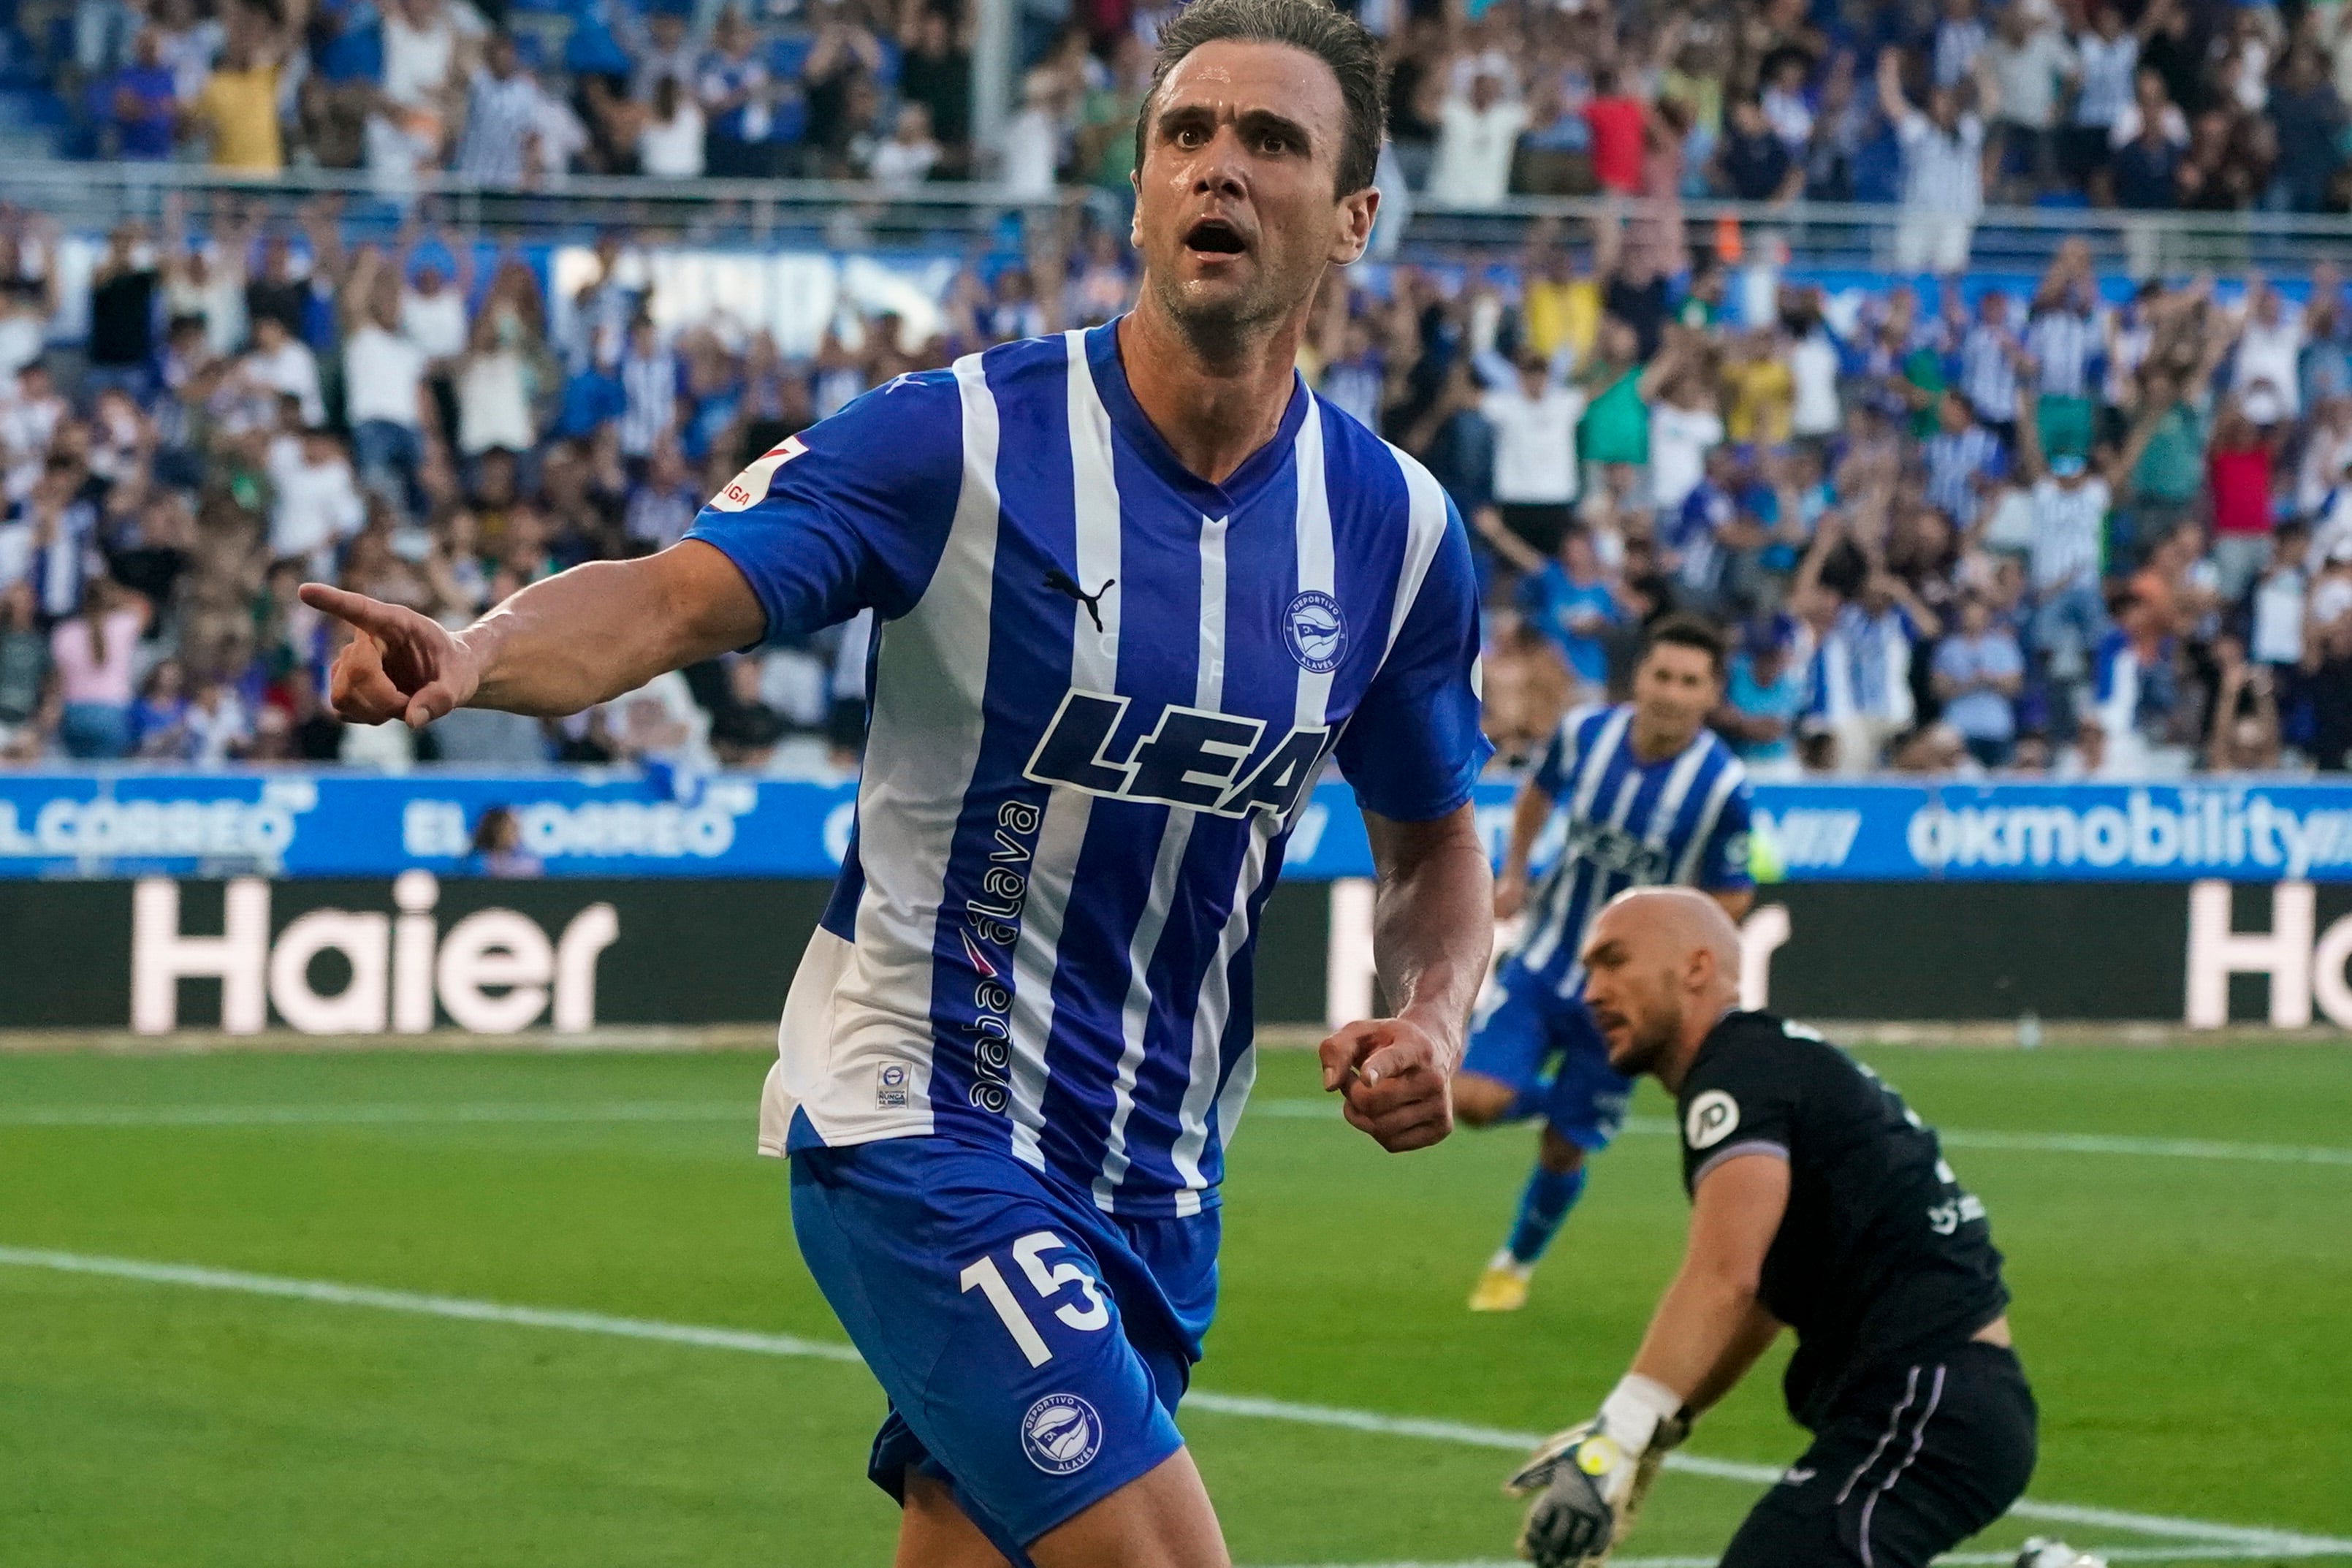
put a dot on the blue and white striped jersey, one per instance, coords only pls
(1630, 823)
(1101, 688)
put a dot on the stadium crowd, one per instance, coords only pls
(1950, 529)
(2205, 104)
(2033, 533)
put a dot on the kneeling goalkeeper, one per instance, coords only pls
(1820, 1201)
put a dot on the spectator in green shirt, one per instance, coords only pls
(2171, 470)
(1616, 425)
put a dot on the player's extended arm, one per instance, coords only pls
(1736, 901)
(1529, 814)
(1756, 1335)
(578, 638)
(1432, 933)
(1706, 1334)
(1706, 1313)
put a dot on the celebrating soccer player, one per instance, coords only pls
(1818, 1200)
(1134, 585)
(1649, 794)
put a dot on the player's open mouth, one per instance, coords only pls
(1214, 236)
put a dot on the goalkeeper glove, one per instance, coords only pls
(1589, 1482)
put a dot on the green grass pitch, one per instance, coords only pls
(2181, 1306)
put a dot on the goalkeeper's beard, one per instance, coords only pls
(1648, 1038)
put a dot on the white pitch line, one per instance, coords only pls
(1963, 1138)
(2256, 1541)
(2182, 1554)
(460, 1307)
(589, 1112)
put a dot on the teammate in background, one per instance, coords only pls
(1131, 588)
(1818, 1200)
(1650, 794)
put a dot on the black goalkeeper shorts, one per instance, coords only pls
(1912, 1461)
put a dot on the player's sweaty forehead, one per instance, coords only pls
(1257, 88)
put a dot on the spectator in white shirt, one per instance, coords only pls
(433, 313)
(420, 55)
(319, 501)
(671, 145)
(2274, 607)
(1032, 141)
(2269, 346)
(318, 505)
(285, 365)
(1683, 423)
(28, 422)
(1815, 414)
(1476, 136)
(1534, 418)
(385, 401)
(421, 86)
(907, 159)
(1943, 170)
(2031, 63)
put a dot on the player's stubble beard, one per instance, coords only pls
(1228, 328)
(1650, 1033)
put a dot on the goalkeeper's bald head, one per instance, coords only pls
(1662, 964)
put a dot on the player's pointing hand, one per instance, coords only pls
(1392, 1077)
(402, 665)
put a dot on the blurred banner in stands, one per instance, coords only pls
(626, 824)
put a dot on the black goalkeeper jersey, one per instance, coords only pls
(1881, 1257)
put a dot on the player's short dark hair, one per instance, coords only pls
(1683, 629)
(1339, 41)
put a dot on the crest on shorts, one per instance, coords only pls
(1316, 631)
(1061, 1434)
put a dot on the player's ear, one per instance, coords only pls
(1352, 224)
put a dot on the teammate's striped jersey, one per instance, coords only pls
(1630, 823)
(1101, 688)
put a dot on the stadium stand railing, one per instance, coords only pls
(1845, 235)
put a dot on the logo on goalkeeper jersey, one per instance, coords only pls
(1061, 1434)
(1711, 1119)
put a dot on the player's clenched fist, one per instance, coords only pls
(401, 664)
(1392, 1076)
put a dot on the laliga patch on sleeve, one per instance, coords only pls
(750, 488)
(1710, 1120)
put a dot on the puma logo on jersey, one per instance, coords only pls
(1191, 757)
(1061, 581)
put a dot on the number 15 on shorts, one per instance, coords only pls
(1047, 1283)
